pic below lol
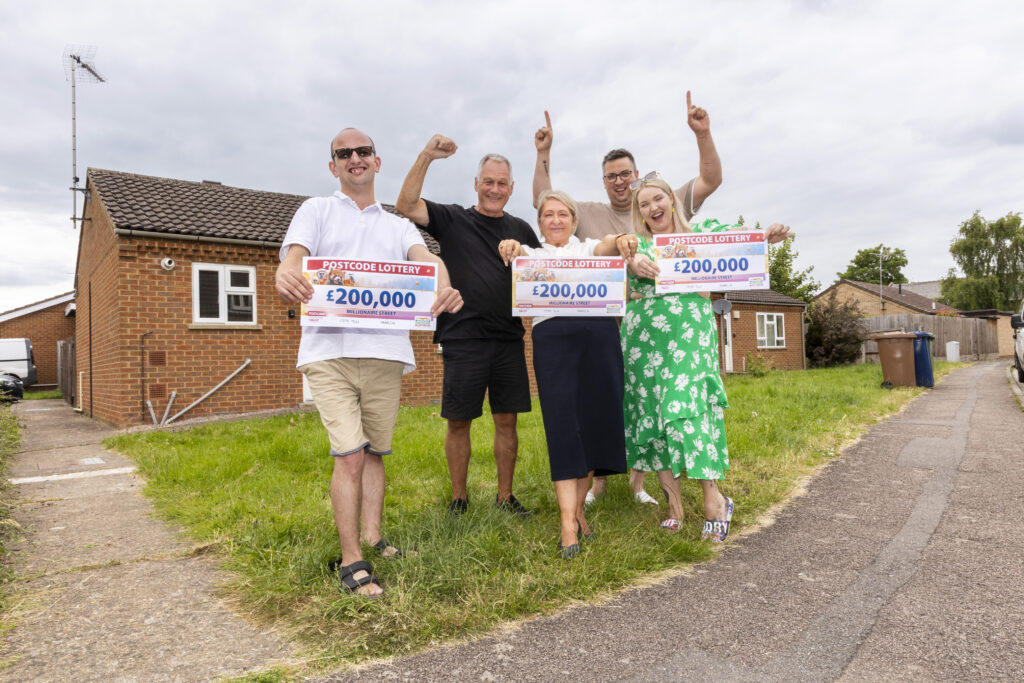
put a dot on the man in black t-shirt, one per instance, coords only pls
(482, 345)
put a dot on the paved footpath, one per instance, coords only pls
(106, 591)
(903, 560)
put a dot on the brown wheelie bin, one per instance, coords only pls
(896, 353)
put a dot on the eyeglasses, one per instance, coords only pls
(639, 182)
(346, 152)
(624, 175)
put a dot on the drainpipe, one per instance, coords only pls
(142, 366)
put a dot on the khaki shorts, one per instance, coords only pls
(358, 401)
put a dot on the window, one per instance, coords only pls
(771, 331)
(223, 294)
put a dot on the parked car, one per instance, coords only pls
(16, 358)
(11, 388)
(1017, 322)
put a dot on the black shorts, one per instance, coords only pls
(473, 366)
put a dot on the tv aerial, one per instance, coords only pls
(80, 60)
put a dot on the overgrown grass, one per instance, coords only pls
(37, 395)
(258, 489)
(9, 439)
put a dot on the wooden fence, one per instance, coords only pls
(977, 336)
(67, 377)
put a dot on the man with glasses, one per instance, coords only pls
(597, 219)
(482, 345)
(355, 375)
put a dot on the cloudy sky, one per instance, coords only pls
(854, 123)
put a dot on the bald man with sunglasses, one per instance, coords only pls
(598, 219)
(355, 375)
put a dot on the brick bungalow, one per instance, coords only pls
(44, 323)
(175, 291)
(894, 300)
(761, 322)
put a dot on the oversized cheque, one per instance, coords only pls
(382, 295)
(591, 286)
(711, 261)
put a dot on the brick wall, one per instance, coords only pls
(96, 307)
(744, 340)
(868, 302)
(44, 328)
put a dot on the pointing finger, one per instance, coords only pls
(689, 102)
(547, 117)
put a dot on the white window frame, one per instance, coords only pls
(778, 321)
(223, 271)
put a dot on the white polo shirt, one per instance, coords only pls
(336, 227)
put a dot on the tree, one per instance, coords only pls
(784, 279)
(864, 266)
(991, 257)
(835, 331)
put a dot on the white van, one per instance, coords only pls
(16, 358)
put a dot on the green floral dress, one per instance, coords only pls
(674, 395)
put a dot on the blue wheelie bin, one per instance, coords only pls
(923, 359)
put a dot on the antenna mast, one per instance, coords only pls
(78, 58)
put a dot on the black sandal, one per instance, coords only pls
(352, 584)
(383, 544)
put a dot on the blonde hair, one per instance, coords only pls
(640, 226)
(563, 197)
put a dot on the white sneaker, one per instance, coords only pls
(589, 500)
(644, 497)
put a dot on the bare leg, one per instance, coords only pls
(457, 450)
(565, 491)
(581, 495)
(671, 486)
(506, 449)
(599, 487)
(714, 501)
(636, 481)
(346, 500)
(373, 498)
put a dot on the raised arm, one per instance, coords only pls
(710, 176)
(449, 299)
(409, 202)
(542, 171)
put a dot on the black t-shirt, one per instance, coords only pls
(469, 248)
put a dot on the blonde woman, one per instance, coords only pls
(578, 365)
(674, 395)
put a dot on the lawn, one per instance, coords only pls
(39, 395)
(257, 491)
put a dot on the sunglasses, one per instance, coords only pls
(639, 182)
(346, 152)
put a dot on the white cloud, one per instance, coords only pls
(855, 123)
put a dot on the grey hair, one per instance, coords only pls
(494, 157)
(564, 198)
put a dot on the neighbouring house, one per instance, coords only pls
(175, 291)
(761, 322)
(888, 300)
(931, 289)
(44, 323)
